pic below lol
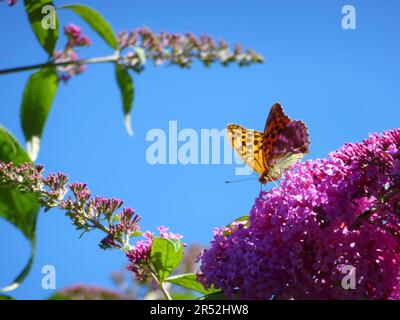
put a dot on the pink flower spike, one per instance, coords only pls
(326, 214)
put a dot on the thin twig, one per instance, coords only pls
(161, 286)
(111, 58)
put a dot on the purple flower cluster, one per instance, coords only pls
(75, 36)
(11, 2)
(179, 49)
(326, 214)
(139, 254)
(85, 292)
(86, 213)
(75, 40)
(127, 227)
(28, 178)
(89, 213)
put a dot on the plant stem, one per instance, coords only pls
(166, 293)
(161, 286)
(111, 58)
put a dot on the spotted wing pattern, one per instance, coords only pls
(276, 121)
(248, 145)
(272, 152)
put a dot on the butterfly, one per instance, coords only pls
(270, 153)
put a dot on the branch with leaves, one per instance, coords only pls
(154, 256)
(130, 51)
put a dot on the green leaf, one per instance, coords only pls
(189, 281)
(240, 219)
(5, 297)
(36, 103)
(215, 296)
(43, 18)
(183, 296)
(96, 21)
(125, 84)
(20, 209)
(165, 255)
(136, 234)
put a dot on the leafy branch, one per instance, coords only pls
(155, 257)
(23, 189)
(131, 51)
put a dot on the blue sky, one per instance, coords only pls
(342, 83)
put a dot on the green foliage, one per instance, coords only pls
(183, 296)
(240, 219)
(19, 209)
(165, 256)
(96, 21)
(215, 296)
(244, 219)
(125, 84)
(47, 38)
(37, 99)
(189, 281)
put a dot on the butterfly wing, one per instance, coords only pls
(283, 143)
(281, 164)
(276, 116)
(276, 122)
(248, 145)
(291, 145)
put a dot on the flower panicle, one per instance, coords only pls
(86, 212)
(327, 214)
(179, 49)
(11, 2)
(140, 45)
(28, 178)
(76, 39)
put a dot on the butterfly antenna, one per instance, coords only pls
(241, 180)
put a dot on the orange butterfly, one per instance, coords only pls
(270, 154)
